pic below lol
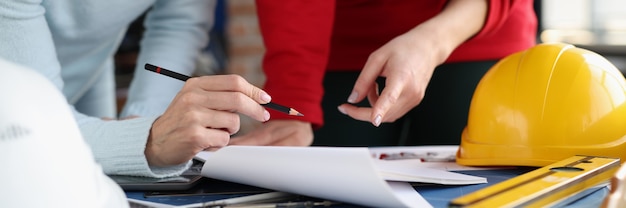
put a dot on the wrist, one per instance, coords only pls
(459, 21)
(151, 150)
(150, 153)
(433, 38)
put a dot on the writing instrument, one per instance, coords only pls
(256, 198)
(303, 204)
(184, 78)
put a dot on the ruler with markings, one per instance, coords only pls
(545, 186)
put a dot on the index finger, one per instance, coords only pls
(232, 83)
(372, 69)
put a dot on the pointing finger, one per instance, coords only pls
(373, 67)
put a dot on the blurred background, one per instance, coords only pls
(599, 26)
(237, 47)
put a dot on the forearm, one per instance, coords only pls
(26, 39)
(118, 146)
(458, 22)
(176, 32)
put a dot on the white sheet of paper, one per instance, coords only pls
(347, 174)
(402, 171)
(334, 173)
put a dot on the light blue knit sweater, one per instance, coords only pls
(72, 43)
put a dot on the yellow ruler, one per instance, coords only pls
(545, 186)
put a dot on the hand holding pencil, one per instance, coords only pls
(203, 115)
(184, 78)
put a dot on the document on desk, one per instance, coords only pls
(345, 174)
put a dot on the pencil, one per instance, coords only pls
(184, 78)
(243, 200)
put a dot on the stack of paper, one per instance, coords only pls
(345, 174)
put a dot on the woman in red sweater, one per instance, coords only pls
(416, 62)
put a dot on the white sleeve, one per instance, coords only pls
(117, 145)
(45, 161)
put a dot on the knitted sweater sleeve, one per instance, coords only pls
(176, 32)
(117, 145)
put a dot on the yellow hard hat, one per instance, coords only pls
(543, 105)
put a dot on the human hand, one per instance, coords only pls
(278, 133)
(407, 62)
(203, 115)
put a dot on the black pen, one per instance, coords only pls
(182, 77)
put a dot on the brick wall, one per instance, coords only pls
(245, 44)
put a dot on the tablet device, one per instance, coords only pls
(136, 183)
(210, 186)
(187, 180)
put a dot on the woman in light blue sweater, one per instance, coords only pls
(72, 43)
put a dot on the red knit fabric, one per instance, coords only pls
(306, 38)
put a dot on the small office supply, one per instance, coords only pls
(184, 78)
(244, 200)
(304, 204)
(545, 186)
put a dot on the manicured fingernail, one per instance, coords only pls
(377, 120)
(266, 97)
(266, 117)
(353, 96)
(342, 110)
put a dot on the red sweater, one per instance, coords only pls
(303, 39)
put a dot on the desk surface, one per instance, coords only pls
(437, 195)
